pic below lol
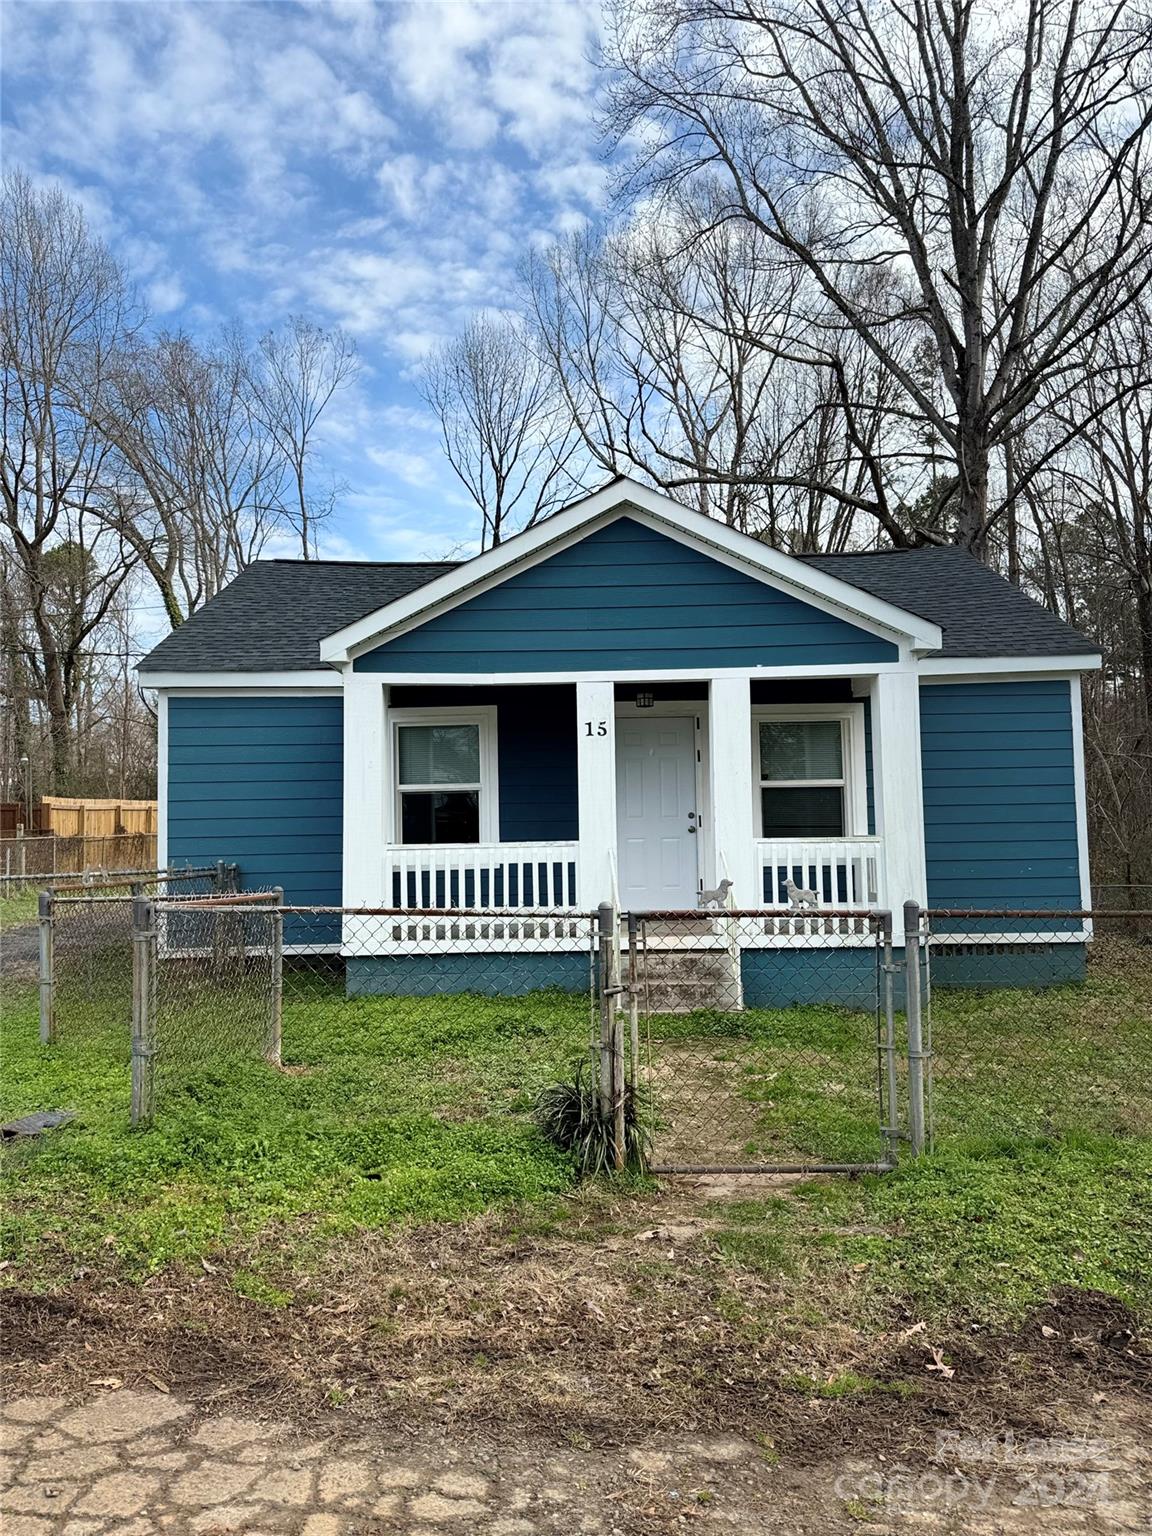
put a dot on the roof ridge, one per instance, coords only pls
(420, 565)
(870, 554)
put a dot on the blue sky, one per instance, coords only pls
(379, 167)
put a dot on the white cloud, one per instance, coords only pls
(377, 166)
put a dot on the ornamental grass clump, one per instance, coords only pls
(573, 1117)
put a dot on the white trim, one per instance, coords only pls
(730, 776)
(596, 792)
(1081, 790)
(867, 672)
(627, 498)
(367, 768)
(248, 682)
(483, 716)
(938, 669)
(855, 763)
(898, 785)
(162, 781)
(970, 939)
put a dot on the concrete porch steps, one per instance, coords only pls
(683, 980)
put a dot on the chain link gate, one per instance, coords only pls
(766, 1042)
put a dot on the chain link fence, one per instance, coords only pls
(33, 862)
(767, 1040)
(1038, 1024)
(753, 1041)
(84, 949)
(459, 1015)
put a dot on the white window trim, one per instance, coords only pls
(481, 715)
(851, 718)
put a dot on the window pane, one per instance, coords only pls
(800, 749)
(803, 812)
(439, 754)
(429, 817)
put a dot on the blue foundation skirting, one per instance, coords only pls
(773, 978)
(785, 978)
(490, 975)
(1008, 965)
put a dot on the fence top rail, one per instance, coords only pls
(97, 878)
(1047, 913)
(858, 914)
(246, 900)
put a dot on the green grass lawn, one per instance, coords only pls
(20, 907)
(398, 1111)
(382, 1114)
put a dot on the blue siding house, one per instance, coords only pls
(630, 703)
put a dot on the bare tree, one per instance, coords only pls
(296, 373)
(690, 353)
(65, 312)
(502, 424)
(970, 148)
(200, 480)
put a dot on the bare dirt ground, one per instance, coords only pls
(593, 1375)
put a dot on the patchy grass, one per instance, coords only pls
(984, 1232)
(303, 1191)
(363, 1138)
(21, 907)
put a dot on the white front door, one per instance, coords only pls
(656, 820)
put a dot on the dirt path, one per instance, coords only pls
(19, 951)
(140, 1463)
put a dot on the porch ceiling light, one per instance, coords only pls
(644, 700)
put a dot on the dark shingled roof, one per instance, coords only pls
(980, 613)
(274, 615)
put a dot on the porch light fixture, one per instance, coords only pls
(645, 700)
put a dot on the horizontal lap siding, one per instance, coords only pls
(999, 795)
(259, 782)
(630, 598)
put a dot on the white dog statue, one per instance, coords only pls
(800, 898)
(718, 897)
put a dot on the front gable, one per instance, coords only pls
(627, 597)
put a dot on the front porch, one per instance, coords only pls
(521, 804)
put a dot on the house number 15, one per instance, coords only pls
(599, 728)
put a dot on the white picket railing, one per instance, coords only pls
(844, 874)
(509, 896)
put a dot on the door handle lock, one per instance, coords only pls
(691, 829)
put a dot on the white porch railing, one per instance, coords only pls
(845, 875)
(509, 896)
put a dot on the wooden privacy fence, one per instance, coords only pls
(65, 816)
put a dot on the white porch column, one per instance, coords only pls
(899, 785)
(596, 785)
(730, 787)
(367, 777)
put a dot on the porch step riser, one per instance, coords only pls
(679, 982)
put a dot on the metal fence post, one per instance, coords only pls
(633, 999)
(143, 999)
(606, 921)
(46, 908)
(912, 983)
(891, 1072)
(276, 1007)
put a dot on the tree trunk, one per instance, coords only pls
(972, 493)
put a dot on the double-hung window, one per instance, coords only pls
(443, 780)
(806, 775)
